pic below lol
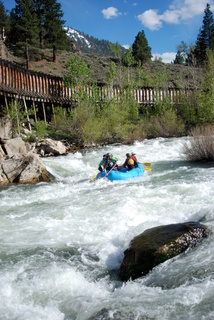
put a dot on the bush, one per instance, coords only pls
(164, 125)
(201, 144)
(40, 128)
(188, 108)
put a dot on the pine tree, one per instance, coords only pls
(55, 35)
(140, 48)
(205, 37)
(178, 58)
(182, 53)
(3, 20)
(39, 6)
(24, 30)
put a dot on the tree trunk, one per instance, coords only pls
(27, 56)
(54, 53)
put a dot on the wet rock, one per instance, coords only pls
(49, 147)
(105, 314)
(2, 152)
(5, 127)
(157, 245)
(23, 169)
(17, 163)
(14, 146)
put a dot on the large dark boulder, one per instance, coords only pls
(157, 245)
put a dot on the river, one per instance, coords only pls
(61, 244)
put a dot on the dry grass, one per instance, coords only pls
(201, 145)
(177, 75)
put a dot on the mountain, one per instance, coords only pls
(88, 44)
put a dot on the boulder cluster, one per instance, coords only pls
(21, 162)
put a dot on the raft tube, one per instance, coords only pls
(122, 174)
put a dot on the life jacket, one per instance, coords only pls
(135, 161)
(110, 162)
(130, 164)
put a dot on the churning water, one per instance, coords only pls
(61, 244)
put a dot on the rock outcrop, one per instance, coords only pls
(5, 127)
(157, 245)
(49, 147)
(17, 163)
(14, 146)
(23, 169)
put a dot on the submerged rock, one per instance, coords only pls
(157, 245)
(110, 314)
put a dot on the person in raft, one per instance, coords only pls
(101, 166)
(129, 162)
(133, 155)
(108, 162)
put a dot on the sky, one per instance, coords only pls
(165, 22)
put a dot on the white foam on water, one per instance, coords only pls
(61, 244)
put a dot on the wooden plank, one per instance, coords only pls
(43, 107)
(5, 99)
(34, 109)
(28, 119)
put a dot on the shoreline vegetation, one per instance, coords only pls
(92, 122)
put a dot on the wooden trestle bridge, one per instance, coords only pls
(43, 92)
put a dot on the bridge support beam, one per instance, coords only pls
(28, 119)
(45, 119)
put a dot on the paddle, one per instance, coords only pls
(147, 164)
(107, 173)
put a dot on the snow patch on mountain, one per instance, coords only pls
(77, 36)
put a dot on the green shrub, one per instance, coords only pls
(187, 110)
(165, 125)
(205, 110)
(40, 129)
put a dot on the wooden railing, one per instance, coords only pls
(15, 81)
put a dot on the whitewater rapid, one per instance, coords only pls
(61, 244)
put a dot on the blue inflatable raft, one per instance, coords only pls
(121, 174)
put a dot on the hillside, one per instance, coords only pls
(97, 55)
(174, 75)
